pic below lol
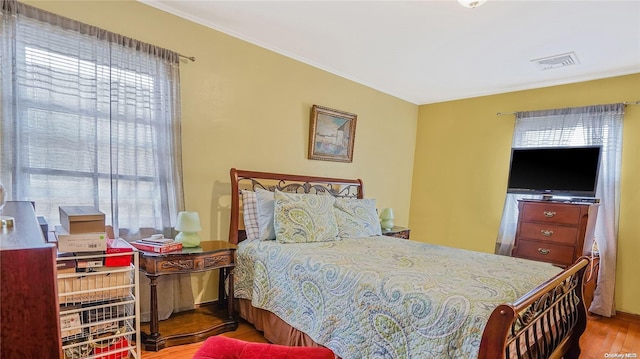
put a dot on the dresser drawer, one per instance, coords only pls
(551, 212)
(545, 252)
(549, 232)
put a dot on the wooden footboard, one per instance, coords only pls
(545, 323)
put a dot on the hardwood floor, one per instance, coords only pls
(245, 332)
(604, 338)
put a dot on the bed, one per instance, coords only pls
(364, 295)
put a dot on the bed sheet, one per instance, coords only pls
(384, 297)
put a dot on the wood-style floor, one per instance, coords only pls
(604, 338)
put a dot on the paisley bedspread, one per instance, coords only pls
(384, 297)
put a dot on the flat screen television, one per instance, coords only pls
(559, 171)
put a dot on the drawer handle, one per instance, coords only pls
(546, 232)
(544, 251)
(549, 214)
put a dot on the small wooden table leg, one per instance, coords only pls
(154, 307)
(230, 297)
(153, 340)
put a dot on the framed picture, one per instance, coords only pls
(331, 134)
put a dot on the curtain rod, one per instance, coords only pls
(192, 58)
(624, 103)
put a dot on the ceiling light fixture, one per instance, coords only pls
(471, 3)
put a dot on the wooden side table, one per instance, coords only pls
(209, 256)
(398, 232)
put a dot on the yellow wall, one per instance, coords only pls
(462, 159)
(249, 108)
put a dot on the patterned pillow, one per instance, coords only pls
(357, 218)
(250, 214)
(265, 202)
(302, 218)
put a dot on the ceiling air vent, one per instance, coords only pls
(556, 61)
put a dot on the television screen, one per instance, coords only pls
(562, 171)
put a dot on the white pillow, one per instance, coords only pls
(357, 218)
(250, 214)
(265, 204)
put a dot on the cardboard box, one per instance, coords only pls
(80, 242)
(81, 219)
(93, 286)
(70, 324)
(88, 264)
(66, 262)
(118, 245)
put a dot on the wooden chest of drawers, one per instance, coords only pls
(554, 232)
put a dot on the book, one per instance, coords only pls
(88, 261)
(66, 262)
(157, 248)
(118, 245)
(80, 242)
(144, 241)
(70, 324)
(157, 239)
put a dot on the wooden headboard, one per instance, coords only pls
(250, 180)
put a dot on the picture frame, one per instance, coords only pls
(331, 134)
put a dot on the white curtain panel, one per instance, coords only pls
(90, 118)
(592, 125)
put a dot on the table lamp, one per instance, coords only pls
(188, 225)
(5, 221)
(386, 218)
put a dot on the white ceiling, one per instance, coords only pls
(434, 51)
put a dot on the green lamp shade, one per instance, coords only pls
(188, 225)
(386, 218)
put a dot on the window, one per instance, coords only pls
(89, 121)
(592, 125)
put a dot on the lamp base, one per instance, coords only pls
(188, 239)
(386, 224)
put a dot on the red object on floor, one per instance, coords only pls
(220, 347)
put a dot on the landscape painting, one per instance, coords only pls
(332, 134)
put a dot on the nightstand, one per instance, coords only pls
(398, 232)
(208, 256)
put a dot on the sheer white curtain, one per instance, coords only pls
(592, 125)
(91, 118)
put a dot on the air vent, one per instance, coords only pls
(556, 61)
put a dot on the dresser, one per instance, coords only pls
(30, 326)
(554, 232)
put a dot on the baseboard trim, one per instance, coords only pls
(632, 318)
(205, 303)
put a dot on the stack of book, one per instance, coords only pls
(81, 233)
(157, 244)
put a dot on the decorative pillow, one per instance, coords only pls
(302, 218)
(265, 201)
(357, 218)
(250, 214)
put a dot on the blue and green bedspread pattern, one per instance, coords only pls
(383, 297)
